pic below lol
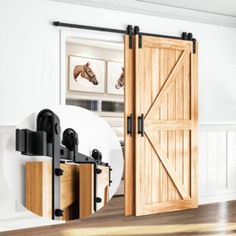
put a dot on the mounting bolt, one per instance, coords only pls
(59, 212)
(184, 36)
(136, 29)
(190, 36)
(98, 199)
(98, 171)
(59, 171)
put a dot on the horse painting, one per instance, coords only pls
(121, 81)
(86, 72)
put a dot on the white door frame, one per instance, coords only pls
(65, 34)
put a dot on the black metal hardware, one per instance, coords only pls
(190, 36)
(130, 33)
(46, 142)
(98, 200)
(97, 155)
(31, 143)
(98, 171)
(110, 181)
(49, 122)
(185, 36)
(59, 172)
(86, 27)
(194, 45)
(130, 124)
(59, 213)
(137, 32)
(141, 125)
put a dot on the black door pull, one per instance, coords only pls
(141, 125)
(130, 124)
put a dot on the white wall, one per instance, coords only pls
(29, 59)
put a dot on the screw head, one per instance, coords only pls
(98, 171)
(59, 212)
(98, 199)
(59, 171)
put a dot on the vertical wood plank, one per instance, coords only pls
(139, 141)
(194, 131)
(86, 194)
(155, 163)
(164, 116)
(34, 187)
(129, 140)
(179, 134)
(172, 113)
(186, 134)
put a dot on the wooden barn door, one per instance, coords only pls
(166, 125)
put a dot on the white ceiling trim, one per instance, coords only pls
(161, 10)
(186, 8)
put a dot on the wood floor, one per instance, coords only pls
(212, 219)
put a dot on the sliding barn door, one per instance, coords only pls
(166, 125)
(129, 137)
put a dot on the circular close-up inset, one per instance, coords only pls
(63, 163)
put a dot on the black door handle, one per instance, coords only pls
(141, 125)
(130, 124)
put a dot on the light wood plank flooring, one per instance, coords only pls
(212, 219)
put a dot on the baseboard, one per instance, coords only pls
(24, 220)
(217, 197)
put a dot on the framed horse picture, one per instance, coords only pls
(115, 77)
(86, 74)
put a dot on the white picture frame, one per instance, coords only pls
(114, 71)
(80, 83)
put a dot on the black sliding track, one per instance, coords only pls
(111, 30)
(130, 31)
(87, 27)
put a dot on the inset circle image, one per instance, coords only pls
(63, 163)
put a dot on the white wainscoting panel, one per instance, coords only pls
(231, 160)
(217, 163)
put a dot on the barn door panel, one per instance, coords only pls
(166, 108)
(129, 132)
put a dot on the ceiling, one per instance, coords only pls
(222, 7)
(221, 12)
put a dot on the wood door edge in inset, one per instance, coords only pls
(128, 139)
